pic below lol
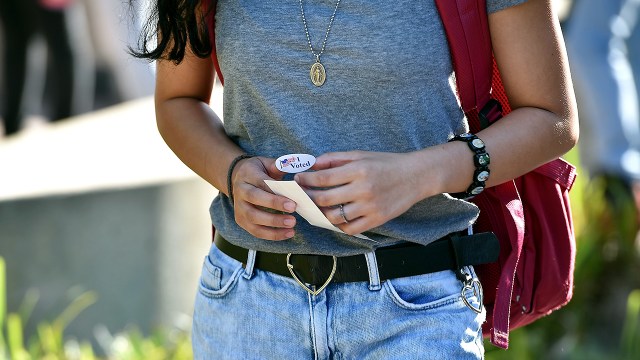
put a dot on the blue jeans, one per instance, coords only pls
(245, 313)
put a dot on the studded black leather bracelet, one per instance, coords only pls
(481, 161)
(232, 166)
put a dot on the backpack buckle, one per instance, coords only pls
(489, 113)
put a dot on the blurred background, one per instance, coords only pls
(103, 230)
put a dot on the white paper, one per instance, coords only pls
(305, 206)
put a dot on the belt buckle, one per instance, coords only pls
(319, 290)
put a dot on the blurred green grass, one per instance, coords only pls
(50, 343)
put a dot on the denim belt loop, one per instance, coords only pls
(374, 275)
(251, 261)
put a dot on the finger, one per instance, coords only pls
(271, 168)
(336, 215)
(335, 159)
(269, 233)
(356, 226)
(261, 197)
(326, 178)
(248, 213)
(347, 214)
(334, 196)
(259, 182)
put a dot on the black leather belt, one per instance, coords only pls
(448, 253)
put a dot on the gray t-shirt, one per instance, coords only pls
(388, 88)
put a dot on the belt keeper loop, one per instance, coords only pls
(456, 261)
(374, 273)
(251, 261)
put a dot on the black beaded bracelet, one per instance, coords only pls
(481, 161)
(232, 166)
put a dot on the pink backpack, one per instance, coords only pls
(530, 215)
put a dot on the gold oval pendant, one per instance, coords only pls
(318, 74)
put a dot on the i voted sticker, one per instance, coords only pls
(295, 163)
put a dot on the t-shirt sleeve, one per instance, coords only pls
(497, 5)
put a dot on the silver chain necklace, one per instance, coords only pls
(318, 74)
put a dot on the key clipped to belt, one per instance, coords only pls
(470, 286)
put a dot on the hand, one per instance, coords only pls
(373, 187)
(254, 202)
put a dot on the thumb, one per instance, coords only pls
(271, 168)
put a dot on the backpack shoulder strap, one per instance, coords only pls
(467, 28)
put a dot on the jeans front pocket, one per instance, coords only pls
(423, 292)
(220, 273)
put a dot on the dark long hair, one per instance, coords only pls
(178, 22)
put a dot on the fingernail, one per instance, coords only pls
(289, 222)
(290, 234)
(289, 206)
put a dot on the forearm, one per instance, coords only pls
(196, 135)
(518, 143)
(529, 51)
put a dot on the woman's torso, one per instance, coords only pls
(388, 88)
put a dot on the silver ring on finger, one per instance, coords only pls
(344, 216)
